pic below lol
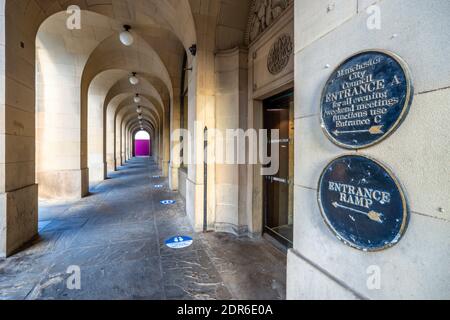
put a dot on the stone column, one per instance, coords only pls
(231, 113)
(18, 191)
(174, 165)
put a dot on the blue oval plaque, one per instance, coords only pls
(179, 242)
(363, 203)
(366, 99)
(167, 202)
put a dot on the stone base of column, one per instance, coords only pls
(165, 168)
(18, 219)
(111, 166)
(110, 163)
(225, 227)
(96, 172)
(64, 185)
(105, 171)
(194, 205)
(159, 163)
(173, 178)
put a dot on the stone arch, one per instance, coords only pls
(61, 55)
(20, 26)
(98, 90)
(122, 91)
(111, 54)
(132, 123)
(134, 129)
(126, 104)
(123, 115)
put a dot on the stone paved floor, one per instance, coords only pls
(116, 236)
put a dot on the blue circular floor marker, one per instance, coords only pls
(158, 186)
(167, 202)
(156, 177)
(179, 242)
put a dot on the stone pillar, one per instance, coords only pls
(96, 161)
(201, 114)
(161, 146)
(18, 191)
(174, 164)
(61, 141)
(117, 135)
(231, 113)
(127, 143)
(110, 139)
(166, 145)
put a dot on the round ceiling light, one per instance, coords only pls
(133, 79)
(137, 98)
(139, 110)
(126, 37)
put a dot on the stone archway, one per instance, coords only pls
(20, 24)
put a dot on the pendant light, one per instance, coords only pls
(139, 110)
(137, 98)
(126, 37)
(134, 80)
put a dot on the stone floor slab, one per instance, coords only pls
(116, 237)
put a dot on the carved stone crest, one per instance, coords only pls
(262, 14)
(279, 54)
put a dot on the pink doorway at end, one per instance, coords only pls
(142, 148)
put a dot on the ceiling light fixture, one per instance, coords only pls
(193, 50)
(137, 98)
(126, 37)
(139, 110)
(134, 80)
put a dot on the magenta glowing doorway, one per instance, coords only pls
(142, 144)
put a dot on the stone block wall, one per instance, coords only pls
(328, 32)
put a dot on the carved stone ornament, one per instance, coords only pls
(279, 54)
(262, 14)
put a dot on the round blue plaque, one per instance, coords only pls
(366, 99)
(363, 203)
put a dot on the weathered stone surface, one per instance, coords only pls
(19, 219)
(313, 285)
(116, 237)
